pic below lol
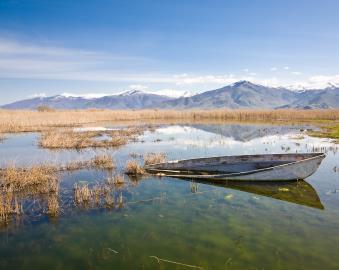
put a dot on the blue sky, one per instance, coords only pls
(103, 47)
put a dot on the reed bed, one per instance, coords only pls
(153, 158)
(134, 168)
(53, 208)
(43, 176)
(82, 194)
(116, 180)
(103, 161)
(56, 139)
(70, 139)
(17, 184)
(97, 195)
(22, 121)
(327, 132)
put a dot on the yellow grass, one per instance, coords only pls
(152, 158)
(53, 207)
(134, 168)
(21, 121)
(82, 194)
(103, 161)
(116, 180)
(41, 176)
(18, 183)
(56, 139)
(63, 139)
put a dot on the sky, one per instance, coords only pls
(103, 47)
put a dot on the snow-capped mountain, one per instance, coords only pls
(242, 94)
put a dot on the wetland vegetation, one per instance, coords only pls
(74, 191)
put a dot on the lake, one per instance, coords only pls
(169, 223)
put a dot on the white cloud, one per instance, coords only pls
(87, 95)
(317, 82)
(139, 87)
(173, 93)
(26, 61)
(38, 95)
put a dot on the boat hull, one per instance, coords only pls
(289, 171)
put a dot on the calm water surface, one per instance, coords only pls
(235, 226)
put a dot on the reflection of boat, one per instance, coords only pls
(273, 167)
(298, 192)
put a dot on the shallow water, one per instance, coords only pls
(285, 226)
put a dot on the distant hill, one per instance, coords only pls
(242, 94)
(128, 100)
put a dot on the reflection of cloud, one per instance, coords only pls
(200, 138)
(213, 142)
(172, 130)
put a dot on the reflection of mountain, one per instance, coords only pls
(299, 192)
(244, 133)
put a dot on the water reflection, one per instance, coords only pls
(245, 133)
(298, 192)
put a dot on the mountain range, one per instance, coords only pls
(242, 94)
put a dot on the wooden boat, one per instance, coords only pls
(271, 167)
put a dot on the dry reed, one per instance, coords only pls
(53, 207)
(42, 176)
(116, 180)
(21, 121)
(17, 184)
(103, 161)
(65, 139)
(153, 158)
(134, 168)
(82, 194)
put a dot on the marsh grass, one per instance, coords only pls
(103, 161)
(17, 184)
(70, 139)
(116, 180)
(23, 121)
(327, 131)
(53, 208)
(56, 139)
(109, 198)
(134, 168)
(82, 194)
(42, 177)
(153, 158)
(9, 205)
